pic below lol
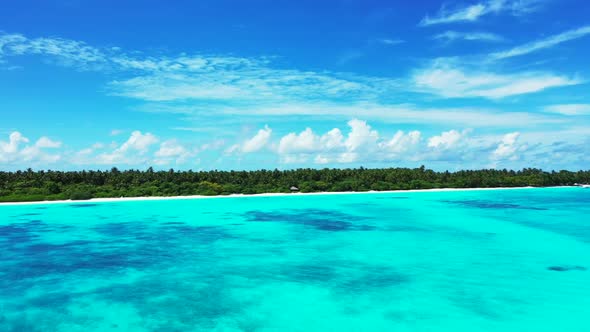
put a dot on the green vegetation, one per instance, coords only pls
(53, 185)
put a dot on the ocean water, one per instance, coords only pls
(500, 260)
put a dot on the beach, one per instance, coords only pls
(159, 198)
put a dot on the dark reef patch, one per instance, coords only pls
(310, 272)
(166, 234)
(343, 276)
(26, 261)
(559, 268)
(483, 204)
(83, 205)
(50, 300)
(325, 220)
(375, 278)
(173, 223)
(21, 233)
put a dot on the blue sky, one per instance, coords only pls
(288, 84)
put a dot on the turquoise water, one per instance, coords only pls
(502, 260)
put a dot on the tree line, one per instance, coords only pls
(32, 185)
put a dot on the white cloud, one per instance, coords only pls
(169, 87)
(569, 109)
(131, 151)
(256, 143)
(85, 152)
(297, 148)
(172, 150)
(139, 149)
(14, 140)
(402, 143)
(16, 150)
(247, 83)
(451, 36)
(205, 85)
(45, 142)
(361, 136)
(447, 140)
(543, 43)
(66, 52)
(446, 79)
(332, 140)
(361, 143)
(138, 141)
(508, 148)
(319, 159)
(404, 113)
(306, 141)
(452, 146)
(470, 13)
(194, 85)
(390, 42)
(214, 145)
(474, 12)
(197, 77)
(86, 156)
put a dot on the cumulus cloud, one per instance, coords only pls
(258, 141)
(360, 143)
(14, 140)
(402, 144)
(253, 144)
(447, 140)
(171, 148)
(333, 145)
(17, 150)
(306, 141)
(508, 149)
(364, 145)
(194, 85)
(138, 141)
(172, 151)
(45, 142)
(131, 151)
(297, 148)
(143, 149)
(360, 136)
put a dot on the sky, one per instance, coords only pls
(219, 84)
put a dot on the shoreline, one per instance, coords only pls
(169, 198)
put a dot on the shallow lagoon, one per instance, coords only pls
(501, 260)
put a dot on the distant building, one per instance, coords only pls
(293, 188)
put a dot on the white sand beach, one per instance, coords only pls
(160, 198)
